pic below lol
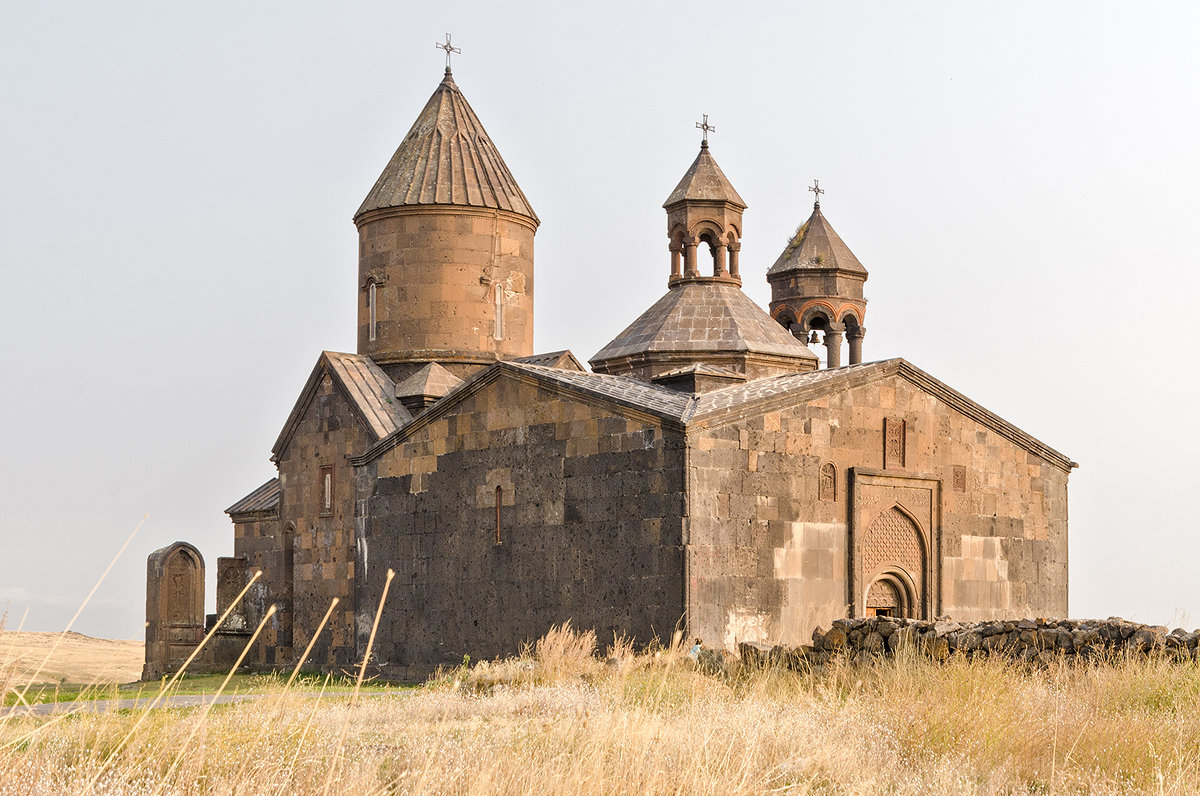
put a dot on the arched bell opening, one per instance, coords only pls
(787, 319)
(820, 329)
(716, 261)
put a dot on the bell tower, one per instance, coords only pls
(817, 288)
(445, 259)
(705, 333)
(704, 215)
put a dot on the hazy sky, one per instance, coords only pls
(177, 183)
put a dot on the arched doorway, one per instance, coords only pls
(891, 594)
(893, 566)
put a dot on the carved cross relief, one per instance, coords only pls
(893, 443)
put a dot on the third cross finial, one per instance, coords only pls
(707, 128)
(449, 48)
(817, 191)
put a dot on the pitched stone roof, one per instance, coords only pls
(637, 394)
(369, 391)
(265, 498)
(432, 381)
(447, 158)
(816, 246)
(699, 317)
(554, 359)
(736, 401)
(704, 181)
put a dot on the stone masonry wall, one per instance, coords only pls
(591, 501)
(256, 541)
(771, 542)
(319, 542)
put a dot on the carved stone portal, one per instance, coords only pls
(895, 550)
(893, 562)
(174, 607)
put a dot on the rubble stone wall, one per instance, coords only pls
(1029, 640)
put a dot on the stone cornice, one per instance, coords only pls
(443, 210)
(253, 516)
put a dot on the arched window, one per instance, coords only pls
(326, 489)
(371, 289)
(499, 289)
(499, 503)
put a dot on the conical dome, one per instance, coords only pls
(704, 182)
(817, 246)
(447, 158)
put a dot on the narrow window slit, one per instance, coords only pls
(326, 489)
(499, 312)
(371, 311)
(499, 502)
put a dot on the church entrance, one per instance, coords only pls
(890, 595)
(894, 566)
(895, 544)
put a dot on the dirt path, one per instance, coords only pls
(77, 659)
(102, 705)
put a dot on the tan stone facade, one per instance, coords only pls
(774, 560)
(449, 285)
(706, 477)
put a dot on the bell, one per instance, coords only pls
(813, 339)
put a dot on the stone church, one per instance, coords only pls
(709, 473)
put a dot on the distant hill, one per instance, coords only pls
(77, 658)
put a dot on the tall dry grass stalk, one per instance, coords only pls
(53, 647)
(562, 719)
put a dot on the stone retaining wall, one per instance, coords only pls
(1027, 640)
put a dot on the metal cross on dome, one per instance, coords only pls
(449, 48)
(817, 191)
(706, 127)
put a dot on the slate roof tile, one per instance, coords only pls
(265, 498)
(703, 317)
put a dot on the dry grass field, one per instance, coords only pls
(75, 659)
(562, 719)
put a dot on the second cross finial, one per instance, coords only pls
(449, 48)
(817, 191)
(707, 128)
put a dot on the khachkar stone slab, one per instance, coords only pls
(174, 607)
